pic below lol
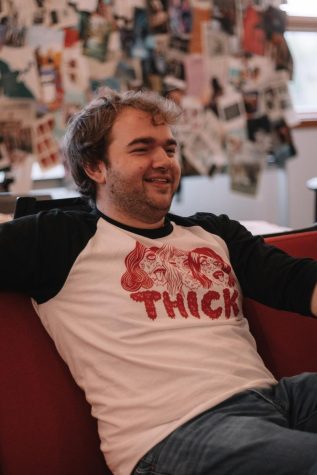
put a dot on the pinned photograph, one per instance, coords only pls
(18, 73)
(277, 101)
(60, 14)
(244, 167)
(74, 70)
(244, 177)
(254, 104)
(272, 102)
(283, 146)
(202, 154)
(48, 45)
(95, 36)
(254, 39)
(193, 113)
(12, 29)
(180, 17)
(224, 12)
(175, 64)
(125, 72)
(258, 127)
(17, 119)
(47, 149)
(201, 15)
(212, 93)
(16, 140)
(286, 105)
(158, 16)
(236, 74)
(180, 42)
(231, 110)
(140, 33)
(195, 72)
(5, 161)
(217, 74)
(17, 145)
(213, 127)
(215, 43)
(86, 5)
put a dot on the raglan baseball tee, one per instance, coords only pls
(150, 322)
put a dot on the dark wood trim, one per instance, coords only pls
(301, 23)
(307, 121)
(307, 124)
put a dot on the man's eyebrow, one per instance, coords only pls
(150, 141)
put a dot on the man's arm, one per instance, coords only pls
(265, 273)
(314, 302)
(271, 276)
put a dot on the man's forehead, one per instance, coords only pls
(132, 123)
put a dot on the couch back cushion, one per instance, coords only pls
(45, 423)
(286, 341)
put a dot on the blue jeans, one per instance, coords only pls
(259, 431)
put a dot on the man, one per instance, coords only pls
(146, 307)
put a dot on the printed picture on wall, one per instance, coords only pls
(16, 125)
(215, 43)
(158, 16)
(180, 17)
(96, 36)
(243, 166)
(48, 47)
(231, 110)
(282, 143)
(254, 39)
(47, 150)
(201, 16)
(18, 73)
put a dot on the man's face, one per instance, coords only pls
(143, 171)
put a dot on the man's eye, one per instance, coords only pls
(171, 152)
(139, 150)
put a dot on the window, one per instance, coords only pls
(306, 8)
(301, 37)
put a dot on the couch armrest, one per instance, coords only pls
(46, 427)
(286, 341)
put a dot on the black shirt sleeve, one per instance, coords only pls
(38, 251)
(265, 273)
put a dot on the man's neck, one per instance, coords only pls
(128, 220)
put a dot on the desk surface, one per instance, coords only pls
(263, 227)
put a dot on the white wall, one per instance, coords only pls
(301, 199)
(282, 196)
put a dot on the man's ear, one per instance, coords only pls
(98, 173)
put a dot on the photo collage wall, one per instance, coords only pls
(225, 62)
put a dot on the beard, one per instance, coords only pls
(142, 202)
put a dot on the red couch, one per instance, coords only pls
(45, 423)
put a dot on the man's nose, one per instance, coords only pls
(161, 159)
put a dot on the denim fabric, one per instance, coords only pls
(259, 431)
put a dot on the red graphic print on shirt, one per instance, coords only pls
(193, 283)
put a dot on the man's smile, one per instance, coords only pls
(160, 180)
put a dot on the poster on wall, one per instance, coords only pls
(18, 73)
(17, 119)
(48, 45)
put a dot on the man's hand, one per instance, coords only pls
(314, 302)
